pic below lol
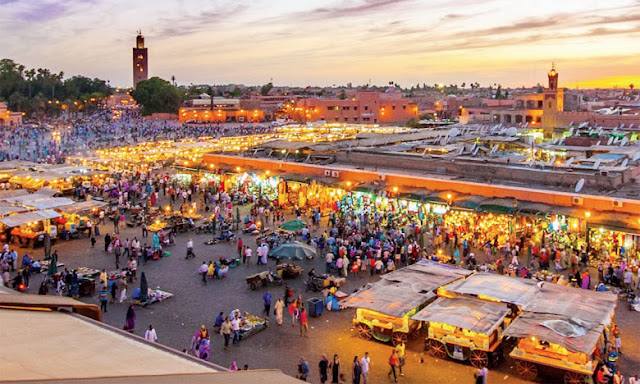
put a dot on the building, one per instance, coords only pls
(223, 110)
(363, 108)
(553, 103)
(8, 117)
(62, 340)
(140, 61)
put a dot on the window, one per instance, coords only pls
(394, 107)
(404, 107)
(366, 108)
(346, 119)
(337, 119)
(355, 108)
(345, 108)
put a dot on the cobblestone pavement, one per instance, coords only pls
(177, 319)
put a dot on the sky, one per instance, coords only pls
(324, 42)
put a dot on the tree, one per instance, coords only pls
(264, 91)
(157, 95)
(499, 92)
(342, 95)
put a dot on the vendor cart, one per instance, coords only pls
(555, 345)
(319, 282)
(250, 325)
(465, 329)
(385, 308)
(262, 279)
(289, 271)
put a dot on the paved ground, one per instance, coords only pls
(178, 318)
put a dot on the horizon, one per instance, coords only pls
(332, 42)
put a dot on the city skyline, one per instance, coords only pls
(332, 42)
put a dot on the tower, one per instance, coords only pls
(140, 61)
(553, 103)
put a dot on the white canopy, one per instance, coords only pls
(28, 217)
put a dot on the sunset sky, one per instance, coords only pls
(320, 42)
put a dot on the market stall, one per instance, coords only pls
(250, 325)
(28, 229)
(491, 287)
(385, 308)
(465, 329)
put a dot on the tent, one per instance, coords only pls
(293, 225)
(51, 203)
(293, 250)
(82, 206)
(495, 287)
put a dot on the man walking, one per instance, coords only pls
(235, 328)
(304, 323)
(267, 302)
(104, 299)
(365, 364)
(225, 330)
(190, 249)
(323, 366)
(400, 350)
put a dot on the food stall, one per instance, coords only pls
(154, 296)
(466, 329)
(491, 287)
(28, 229)
(385, 308)
(75, 216)
(555, 344)
(250, 325)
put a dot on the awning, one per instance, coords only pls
(10, 193)
(82, 206)
(29, 217)
(533, 209)
(6, 209)
(498, 206)
(468, 203)
(472, 314)
(294, 177)
(50, 203)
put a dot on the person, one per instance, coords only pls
(365, 365)
(400, 348)
(245, 367)
(235, 328)
(323, 367)
(190, 249)
(634, 380)
(203, 272)
(233, 367)
(266, 298)
(618, 378)
(130, 323)
(123, 289)
(104, 277)
(107, 242)
(217, 323)
(303, 369)
(150, 334)
(484, 372)
(278, 311)
(393, 362)
(478, 377)
(612, 359)
(357, 370)
(44, 289)
(225, 330)
(104, 299)
(335, 370)
(304, 323)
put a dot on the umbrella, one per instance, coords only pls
(144, 288)
(53, 267)
(294, 250)
(293, 226)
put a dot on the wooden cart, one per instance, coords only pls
(370, 324)
(466, 329)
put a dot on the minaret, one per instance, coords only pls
(552, 104)
(140, 61)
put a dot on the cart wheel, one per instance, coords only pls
(253, 286)
(527, 370)
(574, 378)
(437, 349)
(364, 331)
(478, 358)
(398, 338)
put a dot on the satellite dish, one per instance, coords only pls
(553, 160)
(579, 185)
(571, 124)
(454, 132)
(583, 124)
(511, 132)
(622, 126)
(598, 143)
(555, 142)
(636, 157)
(630, 125)
(624, 141)
(494, 149)
(570, 161)
(526, 124)
(625, 162)
(476, 151)
(596, 165)
(610, 140)
(461, 150)
(475, 145)
(561, 141)
(571, 130)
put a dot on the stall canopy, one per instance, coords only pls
(468, 313)
(590, 306)
(8, 209)
(50, 203)
(9, 193)
(29, 217)
(82, 206)
(405, 289)
(498, 206)
(495, 287)
(469, 202)
(570, 333)
(533, 209)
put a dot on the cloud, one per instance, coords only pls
(188, 24)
